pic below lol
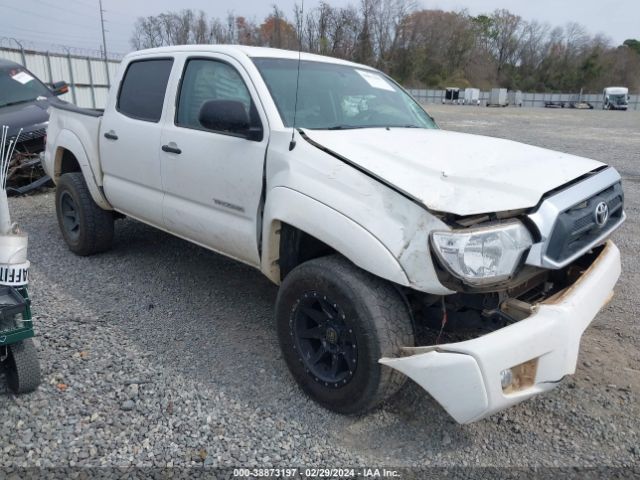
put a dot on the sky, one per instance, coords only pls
(76, 23)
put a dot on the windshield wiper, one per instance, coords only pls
(351, 127)
(348, 127)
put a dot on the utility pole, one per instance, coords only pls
(104, 43)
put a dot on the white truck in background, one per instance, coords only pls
(615, 98)
(470, 264)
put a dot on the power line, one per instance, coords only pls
(51, 35)
(58, 7)
(87, 5)
(48, 17)
(73, 12)
(44, 39)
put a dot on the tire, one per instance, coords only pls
(366, 317)
(23, 367)
(85, 227)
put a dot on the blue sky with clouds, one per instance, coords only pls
(77, 23)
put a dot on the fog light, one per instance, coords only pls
(506, 378)
(519, 377)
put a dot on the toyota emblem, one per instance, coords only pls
(601, 214)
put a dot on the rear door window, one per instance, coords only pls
(143, 89)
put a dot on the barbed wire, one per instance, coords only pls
(18, 44)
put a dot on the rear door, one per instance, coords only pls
(213, 179)
(130, 140)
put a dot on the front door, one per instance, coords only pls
(212, 178)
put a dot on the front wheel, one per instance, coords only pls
(334, 322)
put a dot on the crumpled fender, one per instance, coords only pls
(327, 225)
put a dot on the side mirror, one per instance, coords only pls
(228, 116)
(59, 88)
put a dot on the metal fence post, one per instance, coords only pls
(22, 55)
(93, 90)
(73, 83)
(49, 67)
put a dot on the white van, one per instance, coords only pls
(615, 98)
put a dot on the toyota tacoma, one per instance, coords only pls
(469, 264)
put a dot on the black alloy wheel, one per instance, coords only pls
(327, 344)
(70, 217)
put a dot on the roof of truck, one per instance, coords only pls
(252, 52)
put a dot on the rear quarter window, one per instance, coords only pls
(143, 89)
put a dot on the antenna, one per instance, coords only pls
(104, 42)
(292, 143)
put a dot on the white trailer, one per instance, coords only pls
(515, 98)
(498, 98)
(471, 96)
(452, 95)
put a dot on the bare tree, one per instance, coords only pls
(171, 28)
(147, 33)
(277, 31)
(420, 47)
(385, 18)
(505, 38)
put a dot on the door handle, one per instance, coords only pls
(171, 149)
(111, 135)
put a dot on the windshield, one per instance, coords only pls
(618, 99)
(334, 96)
(17, 86)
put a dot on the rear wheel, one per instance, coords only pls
(85, 227)
(334, 323)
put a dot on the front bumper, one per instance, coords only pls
(464, 377)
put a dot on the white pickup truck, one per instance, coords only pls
(470, 264)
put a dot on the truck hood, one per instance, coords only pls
(452, 172)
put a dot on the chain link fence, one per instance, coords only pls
(87, 73)
(529, 99)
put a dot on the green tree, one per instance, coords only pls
(633, 44)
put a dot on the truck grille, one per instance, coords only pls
(32, 135)
(579, 226)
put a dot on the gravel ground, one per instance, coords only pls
(160, 353)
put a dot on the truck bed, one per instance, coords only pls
(78, 130)
(70, 107)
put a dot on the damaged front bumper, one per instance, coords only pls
(466, 378)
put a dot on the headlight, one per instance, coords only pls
(482, 256)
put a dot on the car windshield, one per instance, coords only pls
(618, 99)
(17, 86)
(336, 97)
